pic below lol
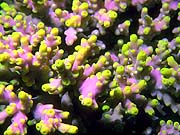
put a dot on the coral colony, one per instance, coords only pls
(90, 67)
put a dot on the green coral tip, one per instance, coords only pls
(31, 122)
(68, 66)
(127, 23)
(8, 132)
(145, 10)
(150, 111)
(162, 122)
(127, 90)
(125, 49)
(59, 63)
(116, 92)
(179, 5)
(44, 130)
(140, 68)
(105, 108)
(167, 18)
(172, 62)
(75, 74)
(163, 43)
(165, 81)
(120, 42)
(113, 84)
(120, 70)
(154, 102)
(171, 81)
(142, 84)
(177, 40)
(38, 126)
(107, 116)
(46, 87)
(5, 6)
(141, 56)
(133, 38)
(147, 30)
(140, 42)
(106, 74)
(66, 82)
(133, 111)
(167, 72)
(169, 122)
(176, 124)
(165, 5)
(123, 6)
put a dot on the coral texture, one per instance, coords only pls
(89, 67)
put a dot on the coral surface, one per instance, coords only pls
(90, 67)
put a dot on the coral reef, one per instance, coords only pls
(90, 67)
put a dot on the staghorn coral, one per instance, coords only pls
(89, 67)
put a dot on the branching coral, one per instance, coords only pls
(68, 65)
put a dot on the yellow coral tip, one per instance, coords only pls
(22, 95)
(65, 114)
(87, 102)
(73, 130)
(55, 31)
